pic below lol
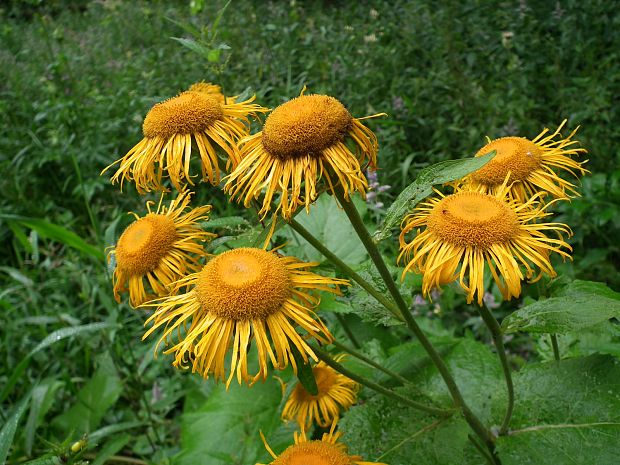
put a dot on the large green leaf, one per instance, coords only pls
(330, 225)
(224, 429)
(94, 399)
(579, 305)
(384, 430)
(422, 187)
(565, 413)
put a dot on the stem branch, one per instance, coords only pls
(324, 356)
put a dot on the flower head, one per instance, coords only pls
(532, 165)
(457, 234)
(158, 249)
(303, 140)
(336, 393)
(170, 127)
(240, 296)
(327, 451)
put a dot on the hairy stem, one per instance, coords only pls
(314, 242)
(324, 356)
(473, 421)
(348, 330)
(496, 333)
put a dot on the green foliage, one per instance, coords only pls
(77, 78)
(576, 306)
(439, 173)
(571, 409)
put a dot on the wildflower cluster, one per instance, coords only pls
(210, 311)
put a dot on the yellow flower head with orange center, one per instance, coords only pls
(242, 296)
(458, 234)
(327, 451)
(169, 129)
(158, 249)
(532, 165)
(336, 393)
(302, 141)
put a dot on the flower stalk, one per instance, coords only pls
(474, 422)
(496, 333)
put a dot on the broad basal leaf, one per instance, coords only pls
(566, 413)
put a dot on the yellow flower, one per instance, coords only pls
(336, 393)
(212, 90)
(303, 140)
(468, 229)
(327, 451)
(532, 165)
(169, 129)
(158, 249)
(240, 296)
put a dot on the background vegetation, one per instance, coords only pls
(76, 79)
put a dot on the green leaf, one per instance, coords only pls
(193, 46)
(305, 375)
(57, 233)
(422, 187)
(330, 225)
(8, 430)
(560, 315)
(226, 222)
(94, 399)
(571, 409)
(579, 287)
(42, 399)
(384, 430)
(224, 430)
(52, 338)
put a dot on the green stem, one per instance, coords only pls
(347, 330)
(314, 242)
(324, 356)
(556, 347)
(372, 363)
(357, 223)
(491, 460)
(496, 333)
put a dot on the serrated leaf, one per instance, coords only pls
(560, 315)
(571, 408)
(422, 187)
(579, 287)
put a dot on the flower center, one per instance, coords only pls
(144, 243)
(305, 125)
(473, 219)
(325, 379)
(243, 284)
(313, 453)
(518, 155)
(187, 113)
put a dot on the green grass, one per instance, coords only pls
(75, 83)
